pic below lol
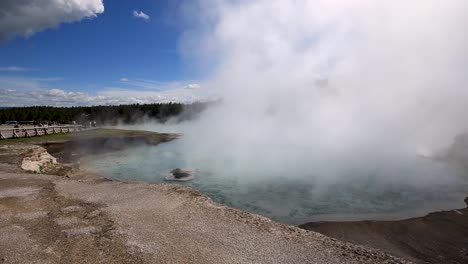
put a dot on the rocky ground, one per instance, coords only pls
(82, 218)
(440, 237)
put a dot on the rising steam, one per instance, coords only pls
(334, 106)
(327, 87)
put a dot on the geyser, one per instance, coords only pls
(325, 99)
(329, 90)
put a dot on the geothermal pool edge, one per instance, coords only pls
(64, 217)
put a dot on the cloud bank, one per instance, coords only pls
(27, 17)
(21, 91)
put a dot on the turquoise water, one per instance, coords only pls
(290, 199)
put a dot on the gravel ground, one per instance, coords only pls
(439, 237)
(81, 218)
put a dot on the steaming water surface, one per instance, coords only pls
(323, 108)
(296, 198)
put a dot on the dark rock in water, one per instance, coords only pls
(181, 175)
(178, 173)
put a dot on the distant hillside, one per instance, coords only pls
(128, 114)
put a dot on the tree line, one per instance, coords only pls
(127, 114)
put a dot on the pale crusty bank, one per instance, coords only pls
(83, 218)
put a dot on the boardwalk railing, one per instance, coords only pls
(22, 132)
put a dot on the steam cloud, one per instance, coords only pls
(329, 89)
(26, 17)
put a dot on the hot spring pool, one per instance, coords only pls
(287, 199)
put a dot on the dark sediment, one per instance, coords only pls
(439, 237)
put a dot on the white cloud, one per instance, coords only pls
(157, 85)
(56, 92)
(140, 14)
(14, 69)
(192, 86)
(26, 17)
(7, 91)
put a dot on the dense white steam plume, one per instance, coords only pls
(329, 88)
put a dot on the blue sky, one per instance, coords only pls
(113, 49)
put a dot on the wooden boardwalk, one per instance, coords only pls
(22, 132)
